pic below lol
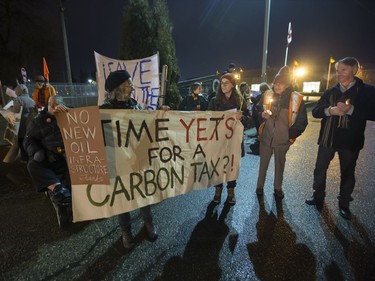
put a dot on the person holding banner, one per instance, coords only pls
(119, 88)
(284, 119)
(43, 90)
(47, 163)
(196, 101)
(228, 98)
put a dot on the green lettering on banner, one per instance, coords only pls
(118, 182)
(97, 204)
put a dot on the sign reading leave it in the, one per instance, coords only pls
(84, 145)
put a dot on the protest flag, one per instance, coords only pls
(45, 69)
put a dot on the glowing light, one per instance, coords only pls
(300, 72)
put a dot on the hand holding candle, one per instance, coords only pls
(269, 104)
(344, 106)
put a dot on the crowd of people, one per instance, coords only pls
(278, 113)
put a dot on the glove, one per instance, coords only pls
(39, 156)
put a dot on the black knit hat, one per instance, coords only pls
(115, 79)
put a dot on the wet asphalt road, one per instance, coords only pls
(254, 240)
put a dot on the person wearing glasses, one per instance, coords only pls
(284, 118)
(228, 98)
(119, 87)
(343, 110)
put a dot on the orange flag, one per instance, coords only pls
(45, 69)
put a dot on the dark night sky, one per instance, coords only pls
(209, 34)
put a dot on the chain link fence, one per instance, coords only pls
(74, 95)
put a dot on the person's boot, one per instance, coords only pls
(151, 232)
(279, 194)
(231, 199)
(259, 191)
(60, 194)
(217, 196)
(127, 238)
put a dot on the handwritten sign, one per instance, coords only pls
(144, 73)
(84, 145)
(154, 155)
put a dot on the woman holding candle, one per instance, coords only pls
(284, 119)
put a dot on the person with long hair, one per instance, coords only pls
(119, 87)
(228, 98)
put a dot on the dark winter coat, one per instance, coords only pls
(220, 103)
(362, 97)
(114, 104)
(43, 134)
(193, 103)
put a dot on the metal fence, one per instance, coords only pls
(74, 95)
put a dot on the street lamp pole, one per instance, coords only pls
(265, 40)
(65, 44)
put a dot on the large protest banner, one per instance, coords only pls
(155, 155)
(144, 73)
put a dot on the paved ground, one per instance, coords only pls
(254, 240)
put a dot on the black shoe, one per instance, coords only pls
(345, 212)
(60, 194)
(259, 191)
(127, 238)
(150, 231)
(314, 201)
(279, 194)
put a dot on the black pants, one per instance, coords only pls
(348, 161)
(46, 173)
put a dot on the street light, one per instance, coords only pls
(298, 72)
(69, 73)
(265, 40)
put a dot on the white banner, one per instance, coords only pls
(154, 155)
(144, 73)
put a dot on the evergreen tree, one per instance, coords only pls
(146, 31)
(167, 51)
(138, 31)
